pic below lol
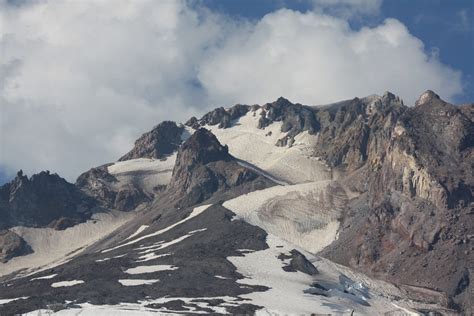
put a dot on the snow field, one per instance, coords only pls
(295, 164)
(53, 247)
(286, 295)
(305, 214)
(145, 172)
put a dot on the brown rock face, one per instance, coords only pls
(161, 141)
(414, 169)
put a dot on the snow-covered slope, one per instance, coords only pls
(54, 247)
(288, 291)
(145, 173)
(265, 280)
(305, 214)
(295, 164)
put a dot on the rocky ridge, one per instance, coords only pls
(45, 199)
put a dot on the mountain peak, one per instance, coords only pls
(427, 97)
(161, 141)
(204, 166)
(203, 147)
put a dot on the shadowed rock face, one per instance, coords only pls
(161, 141)
(203, 167)
(41, 200)
(11, 245)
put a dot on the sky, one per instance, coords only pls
(81, 80)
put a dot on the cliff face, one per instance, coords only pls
(415, 213)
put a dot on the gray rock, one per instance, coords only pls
(40, 200)
(162, 140)
(12, 245)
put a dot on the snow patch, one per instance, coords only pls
(150, 269)
(139, 230)
(67, 283)
(135, 282)
(196, 211)
(107, 259)
(151, 256)
(46, 277)
(8, 300)
(161, 245)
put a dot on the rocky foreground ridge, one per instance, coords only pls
(407, 169)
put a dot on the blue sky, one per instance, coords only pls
(81, 80)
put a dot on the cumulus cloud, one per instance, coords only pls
(315, 59)
(80, 80)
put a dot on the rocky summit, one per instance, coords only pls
(360, 207)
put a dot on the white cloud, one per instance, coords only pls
(80, 80)
(316, 59)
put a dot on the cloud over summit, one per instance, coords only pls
(80, 80)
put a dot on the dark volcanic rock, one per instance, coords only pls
(220, 116)
(298, 262)
(161, 141)
(203, 167)
(296, 118)
(12, 245)
(199, 259)
(40, 200)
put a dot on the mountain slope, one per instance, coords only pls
(232, 212)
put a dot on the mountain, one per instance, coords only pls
(362, 206)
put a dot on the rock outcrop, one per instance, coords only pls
(100, 185)
(415, 174)
(40, 200)
(162, 140)
(11, 245)
(220, 116)
(203, 167)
